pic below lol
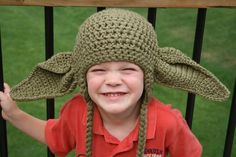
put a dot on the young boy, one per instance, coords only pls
(115, 62)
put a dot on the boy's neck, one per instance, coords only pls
(120, 126)
(121, 131)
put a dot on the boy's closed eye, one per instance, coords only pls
(97, 70)
(128, 70)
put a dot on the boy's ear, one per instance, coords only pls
(175, 69)
(49, 79)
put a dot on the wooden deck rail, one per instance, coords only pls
(125, 3)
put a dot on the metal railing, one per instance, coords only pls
(197, 48)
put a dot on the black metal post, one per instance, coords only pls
(3, 129)
(152, 16)
(201, 16)
(100, 8)
(231, 126)
(49, 49)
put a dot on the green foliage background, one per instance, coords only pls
(23, 47)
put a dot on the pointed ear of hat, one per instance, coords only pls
(174, 69)
(49, 79)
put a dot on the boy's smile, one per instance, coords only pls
(116, 87)
(114, 95)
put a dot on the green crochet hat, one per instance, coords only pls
(118, 35)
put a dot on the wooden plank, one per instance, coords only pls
(125, 3)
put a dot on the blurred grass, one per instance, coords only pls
(23, 47)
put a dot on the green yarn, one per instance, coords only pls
(89, 130)
(142, 129)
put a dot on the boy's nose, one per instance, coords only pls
(113, 79)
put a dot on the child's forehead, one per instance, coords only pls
(115, 63)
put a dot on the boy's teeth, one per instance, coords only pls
(113, 94)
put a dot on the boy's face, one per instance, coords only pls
(116, 87)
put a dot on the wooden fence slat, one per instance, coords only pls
(125, 3)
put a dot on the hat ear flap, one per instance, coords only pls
(49, 79)
(175, 69)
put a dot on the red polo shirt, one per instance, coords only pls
(167, 133)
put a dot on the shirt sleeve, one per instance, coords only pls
(58, 134)
(183, 143)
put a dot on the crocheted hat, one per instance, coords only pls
(118, 35)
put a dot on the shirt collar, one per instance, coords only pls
(151, 121)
